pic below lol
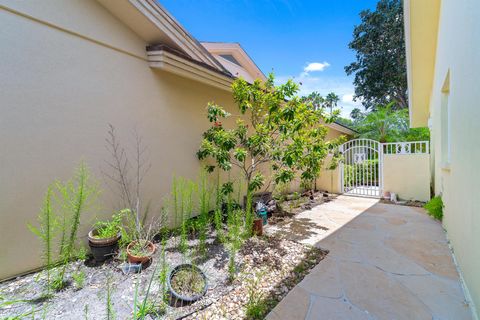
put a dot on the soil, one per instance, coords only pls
(188, 282)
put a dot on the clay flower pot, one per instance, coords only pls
(143, 259)
(102, 248)
(258, 226)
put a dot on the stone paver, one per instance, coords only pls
(385, 262)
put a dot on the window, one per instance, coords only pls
(445, 114)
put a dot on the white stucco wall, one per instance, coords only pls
(458, 51)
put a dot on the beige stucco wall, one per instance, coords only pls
(407, 175)
(329, 180)
(458, 51)
(59, 92)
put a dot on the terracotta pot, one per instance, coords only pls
(140, 259)
(258, 227)
(102, 249)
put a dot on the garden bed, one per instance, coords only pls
(292, 204)
(276, 264)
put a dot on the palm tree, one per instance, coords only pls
(331, 101)
(315, 99)
(384, 124)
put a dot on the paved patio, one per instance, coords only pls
(385, 262)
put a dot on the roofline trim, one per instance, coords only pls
(163, 20)
(171, 61)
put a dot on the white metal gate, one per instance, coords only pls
(361, 168)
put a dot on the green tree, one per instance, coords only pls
(315, 99)
(331, 101)
(284, 132)
(385, 124)
(380, 66)
(357, 114)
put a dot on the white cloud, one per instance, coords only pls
(347, 98)
(340, 85)
(316, 66)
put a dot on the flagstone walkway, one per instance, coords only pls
(385, 262)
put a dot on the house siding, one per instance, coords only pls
(59, 92)
(457, 53)
(68, 69)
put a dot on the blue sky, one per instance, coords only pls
(304, 40)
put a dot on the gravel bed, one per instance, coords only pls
(282, 263)
(277, 265)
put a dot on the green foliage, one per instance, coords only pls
(182, 202)
(71, 198)
(218, 216)
(163, 274)
(346, 121)
(204, 206)
(146, 307)
(109, 229)
(140, 248)
(417, 134)
(435, 207)
(234, 237)
(110, 311)
(380, 68)
(79, 279)
(318, 102)
(249, 217)
(384, 124)
(280, 191)
(364, 171)
(149, 308)
(281, 131)
(76, 195)
(257, 306)
(46, 233)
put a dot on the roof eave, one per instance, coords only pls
(164, 58)
(421, 28)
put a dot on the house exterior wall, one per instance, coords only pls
(60, 90)
(407, 175)
(59, 93)
(329, 180)
(456, 81)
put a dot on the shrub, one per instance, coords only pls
(76, 195)
(79, 279)
(109, 229)
(46, 232)
(277, 129)
(434, 207)
(257, 306)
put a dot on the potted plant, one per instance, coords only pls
(258, 226)
(140, 251)
(103, 238)
(187, 283)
